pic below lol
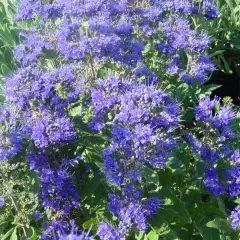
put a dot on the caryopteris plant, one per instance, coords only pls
(108, 122)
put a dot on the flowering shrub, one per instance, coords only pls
(97, 117)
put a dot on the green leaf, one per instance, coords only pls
(206, 232)
(2, 8)
(221, 206)
(8, 234)
(92, 185)
(50, 54)
(178, 207)
(175, 205)
(208, 89)
(161, 227)
(4, 225)
(210, 210)
(4, 69)
(6, 36)
(8, 56)
(182, 92)
(139, 235)
(183, 57)
(95, 139)
(15, 35)
(34, 236)
(230, 4)
(226, 65)
(105, 216)
(14, 235)
(182, 154)
(200, 168)
(186, 231)
(218, 52)
(188, 115)
(152, 235)
(150, 176)
(225, 237)
(81, 126)
(91, 223)
(101, 73)
(229, 236)
(165, 176)
(220, 224)
(2, 58)
(49, 213)
(76, 111)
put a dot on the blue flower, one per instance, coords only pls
(236, 157)
(38, 215)
(212, 182)
(74, 234)
(235, 217)
(2, 201)
(107, 232)
(233, 183)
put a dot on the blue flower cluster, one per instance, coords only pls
(143, 119)
(215, 145)
(130, 213)
(182, 39)
(212, 146)
(99, 31)
(12, 137)
(74, 234)
(235, 217)
(43, 99)
(57, 187)
(32, 49)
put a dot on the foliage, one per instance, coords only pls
(226, 44)
(8, 35)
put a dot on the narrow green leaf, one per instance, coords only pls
(175, 205)
(2, 9)
(220, 224)
(150, 176)
(49, 213)
(207, 233)
(178, 207)
(8, 234)
(14, 235)
(139, 235)
(225, 237)
(226, 65)
(8, 55)
(218, 52)
(91, 223)
(230, 4)
(152, 235)
(92, 185)
(34, 236)
(4, 69)
(221, 205)
(50, 54)
(162, 228)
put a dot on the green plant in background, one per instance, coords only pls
(8, 36)
(18, 197)
(18, 201)
(226, 36)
